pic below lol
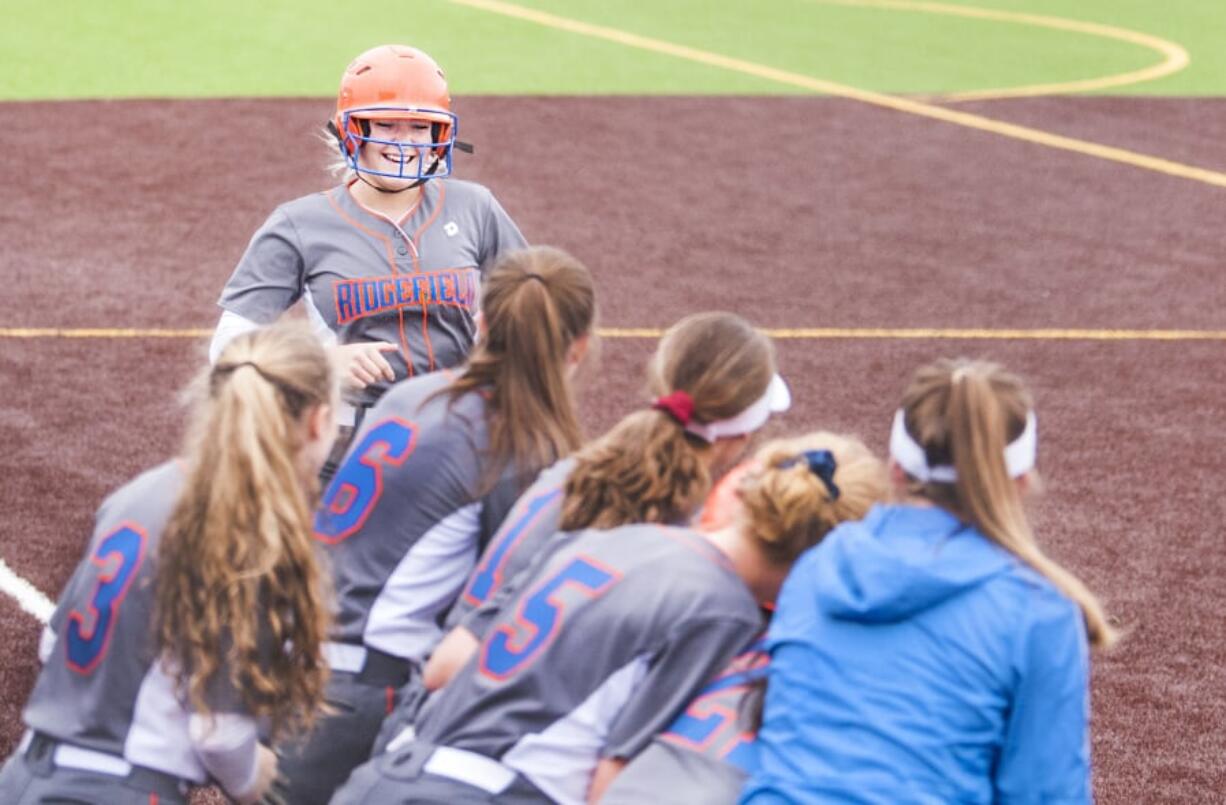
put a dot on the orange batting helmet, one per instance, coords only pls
(395, 82)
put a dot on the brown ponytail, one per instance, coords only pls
(964, 413)
(789, 509)
(237, 584)
(648, 468)
(536, 303)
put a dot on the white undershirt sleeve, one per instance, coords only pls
(230, 326)
(46, 644)
(226, 745)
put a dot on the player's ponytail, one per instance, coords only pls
(794, 492)
(238, 585)
(536, 304)
(649, 468)
(963, 414)
(802, 488)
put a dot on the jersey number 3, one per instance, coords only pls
(118, 556)
(511, 647)
(358, 484)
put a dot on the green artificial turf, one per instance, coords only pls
(224, 48)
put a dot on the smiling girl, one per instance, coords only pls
(389, 262)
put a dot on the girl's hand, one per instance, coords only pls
(362, 363)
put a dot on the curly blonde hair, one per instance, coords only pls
(238, 588)
(788, 509)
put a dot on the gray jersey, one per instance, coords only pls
(407, 514)
(524, 532)
(100, 687)
(707, 753)
(414, 283)
(613, 635)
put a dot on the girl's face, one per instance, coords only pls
(397, 153)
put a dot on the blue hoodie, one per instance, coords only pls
(913, 660)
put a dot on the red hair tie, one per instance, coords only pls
(679, 405)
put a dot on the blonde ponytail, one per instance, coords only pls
(238, 585)
(788, 507)
(964, 413)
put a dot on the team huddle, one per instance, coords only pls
(388, 568)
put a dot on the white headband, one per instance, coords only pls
(1019, 454)
(776, 400)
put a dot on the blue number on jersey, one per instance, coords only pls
(358, 484)
(488, 575)
(118, 556)
(540, 617)
(712, 722)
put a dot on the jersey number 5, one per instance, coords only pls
(118, 556)
(511, 648)
(358, 484)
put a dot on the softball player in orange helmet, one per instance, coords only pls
(390, 262)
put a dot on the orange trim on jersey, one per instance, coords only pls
(695, 542)
(404, 344)
(391, 260)
(425, 334)
(391, 699)
(425, 317)
(375, 213)
(438, 207)
(387, 242)
(404, 341)
(412, 210)
(153, 799)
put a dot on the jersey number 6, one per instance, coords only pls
(118, 556)
(358, 485)
(511, 648)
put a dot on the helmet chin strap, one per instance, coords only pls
(418, 183)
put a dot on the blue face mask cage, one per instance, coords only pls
(422, 168)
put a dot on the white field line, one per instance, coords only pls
(28, 597)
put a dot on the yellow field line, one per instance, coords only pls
(907, 105)
(949, 334)
(1174, 56)
(800, 333)
(100, 332)
(1047, 334)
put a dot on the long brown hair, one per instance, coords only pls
(238, 585)
(650, 469)
(963, 413)
(535, 303)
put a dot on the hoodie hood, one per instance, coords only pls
(901, 560)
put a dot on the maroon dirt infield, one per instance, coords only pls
(796, 212)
